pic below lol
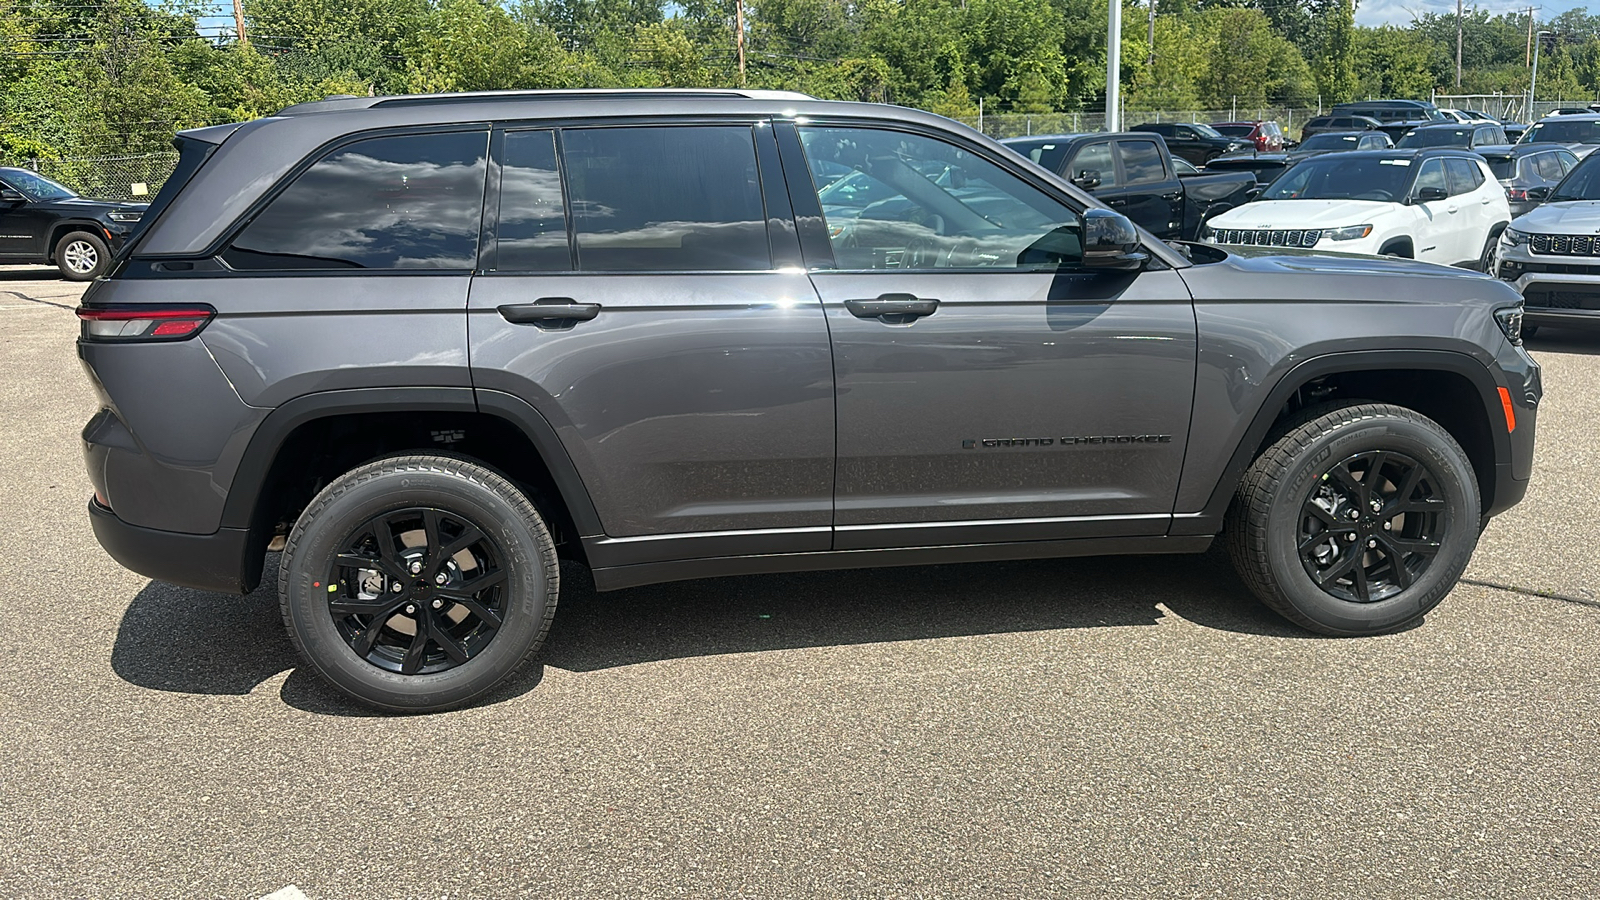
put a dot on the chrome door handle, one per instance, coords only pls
(549, 312)
(893, 309)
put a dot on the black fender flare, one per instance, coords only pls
(62, 228)
(1209, 520)
(242, 506)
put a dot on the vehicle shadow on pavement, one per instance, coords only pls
(1555, 339)
(820, 609)
(188, 641)
(198, 642)
(42, 273)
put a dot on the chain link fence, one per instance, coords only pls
(1004, 125)
(108, 177)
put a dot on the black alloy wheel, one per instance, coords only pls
(419, 583)
(418, 590)
(1371, 526)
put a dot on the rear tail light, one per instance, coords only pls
(1516, 194)
(143, 323)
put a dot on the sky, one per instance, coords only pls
(1401, 12)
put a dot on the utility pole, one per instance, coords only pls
(1458, 45)
(738, 32)
(1150, 63)
(238, 21)
(1533, 82)
(1113, 65)
(1528, 57)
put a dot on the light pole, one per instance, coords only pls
(1533, 82)
(1113, 65)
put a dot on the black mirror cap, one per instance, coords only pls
(1430, 194)
(7, 195)
(1110, 241)
(1539, 193)
(1088, 179)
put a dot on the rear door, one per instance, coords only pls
(643, 293)
(1477, 210)
(1148, 194)
(989, 387)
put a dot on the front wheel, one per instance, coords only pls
(1356, 521)
(82, 256)
(418, 583)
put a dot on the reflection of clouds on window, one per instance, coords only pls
(532, 232)
(411, 202)
(672, 198)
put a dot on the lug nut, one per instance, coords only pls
(396, 587)
(1372, 545)
(416, 567)
(410, 608)
(438, 603)
(1376, 506)
(440, 578)
(1350, 537)
(1388, 526)
(1355, 513)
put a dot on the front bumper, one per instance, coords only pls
(210, 562)
(1556, 290)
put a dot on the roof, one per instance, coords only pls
(1568, 117)
(348, 101)
(1402, 153)
(1515, 149)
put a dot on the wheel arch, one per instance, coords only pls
(308, 441)
(61, 229)
(1453, 389)
(1401, 242)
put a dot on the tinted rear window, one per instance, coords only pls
(1045, 153)
(667, 199)
(1502, 166)
(404, 202)
(532, 231)
(1235, 130)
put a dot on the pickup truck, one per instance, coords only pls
(1134, 173)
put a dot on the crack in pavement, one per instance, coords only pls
(1590, 602)
(24, 297)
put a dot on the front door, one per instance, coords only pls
(1438, 236)
(669, 336)
(989, 388)
(19, 228)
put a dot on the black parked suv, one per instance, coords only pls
(434, 344)
(1195, 142)
(44, 222)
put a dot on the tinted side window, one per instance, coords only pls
(1431, 175)
(1549, 166)
(668, 199)
(1141, 162)
(404, 202)
(1097, 159)
(1567, 161)
(947, 207)
(1464, 176)
(532, 233)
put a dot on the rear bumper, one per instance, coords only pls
(209, 562)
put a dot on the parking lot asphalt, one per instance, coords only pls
(1129, 727)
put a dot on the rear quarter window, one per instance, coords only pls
(410, 201)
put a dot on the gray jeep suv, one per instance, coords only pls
(431, 345)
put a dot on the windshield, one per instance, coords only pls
(1340, 178)
(36, 186)
(1329, 142)
(1205, 130)
(1234, 130)
(1437, 137)
(1582, 183)
(1579, 131)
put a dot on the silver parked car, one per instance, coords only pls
(1552, 254)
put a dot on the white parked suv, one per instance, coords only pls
(1552, 254)
(1441, 206)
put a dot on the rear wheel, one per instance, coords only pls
(82, 256)
(418, 583)
(1357, 521)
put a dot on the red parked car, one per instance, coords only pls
(1267, 136)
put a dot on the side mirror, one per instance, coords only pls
(1111, 242)
(1254, 192)
(1539, 193)
(7, 195)
(1429, 194)
(1088, 179)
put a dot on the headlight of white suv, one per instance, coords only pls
(1513, 237)
(1351, 233)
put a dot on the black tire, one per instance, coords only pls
(1206, 160)
(424, 593)
(1273, 531)
(1486, 259)
(82, 256)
